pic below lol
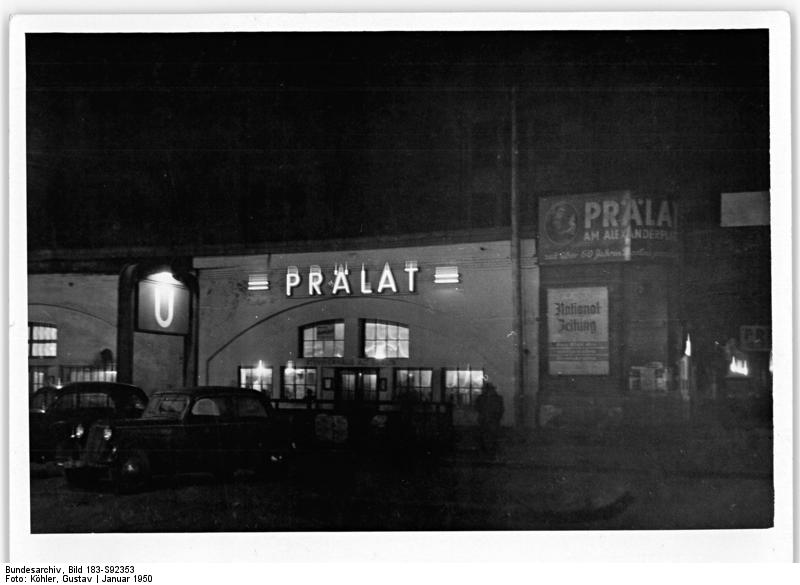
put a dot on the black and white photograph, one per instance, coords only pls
(400, 278)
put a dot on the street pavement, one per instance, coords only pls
(700, 474)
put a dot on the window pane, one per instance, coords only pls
(380, 331)
(311, 376)
(338, 349)
(402, 378)
(463, 378)
(402, 332)
(369, 330)
(450, 378)
(206, 407)
(391, 331)
(339, 330)
(309, 334)
(477, 378)
(402, 350)
(327, 348)
(425, 378)
(369, 348)
(325, 331)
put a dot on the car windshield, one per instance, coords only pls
(66, 402)
(166, 405)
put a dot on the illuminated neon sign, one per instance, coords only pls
(316, 284)
(163, 307)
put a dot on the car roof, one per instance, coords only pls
(108, 387)
(208, 390)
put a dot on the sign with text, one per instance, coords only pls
(163, 308)
(577, 331)
(606, 227)
(755, 338)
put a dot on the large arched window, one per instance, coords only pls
(384, 339)
(323, 339)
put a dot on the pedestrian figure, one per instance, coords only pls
(489, 405)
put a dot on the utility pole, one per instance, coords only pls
(516, 277)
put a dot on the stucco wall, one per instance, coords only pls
(84, 309)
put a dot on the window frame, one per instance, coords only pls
(448, 393)
(336, 341)
(270, 369)
(425, 396)
(38, 342)
(381, 322)
(305, 385)
(87, 373)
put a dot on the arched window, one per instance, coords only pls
(384, 339)
(323, 339)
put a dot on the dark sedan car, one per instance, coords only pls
(59, 431)
(204, 429)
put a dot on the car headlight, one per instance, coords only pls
(107, 432)
(78, 431)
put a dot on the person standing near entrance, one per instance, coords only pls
(489, 405)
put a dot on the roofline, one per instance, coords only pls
(112, 260)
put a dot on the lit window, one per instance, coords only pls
(89, 373)
(42, 340)
(298, 383)
(37, 378)
(324, 339)
(383, 339)
(414, 383)
(462, 386)
(256, 377)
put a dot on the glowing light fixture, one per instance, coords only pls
(446, 275)
(258, 282)
(164, 278)
(739, 367)
(688, 350)
(260, 370)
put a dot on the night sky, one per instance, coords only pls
(240, 139)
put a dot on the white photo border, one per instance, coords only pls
(712, 545)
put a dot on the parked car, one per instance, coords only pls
(203, 429)
(58, 431)
(41, 400)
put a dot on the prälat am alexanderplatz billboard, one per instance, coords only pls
(617, 226)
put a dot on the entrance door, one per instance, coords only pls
(356, 384)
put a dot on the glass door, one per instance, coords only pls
(356, 384)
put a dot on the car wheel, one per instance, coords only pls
(132, 472)
(79, 478)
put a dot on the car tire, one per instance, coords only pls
(132, 472)
(79, 478)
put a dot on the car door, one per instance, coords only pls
(253, 437)
(203, 424)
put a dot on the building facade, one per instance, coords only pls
(428, 323)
